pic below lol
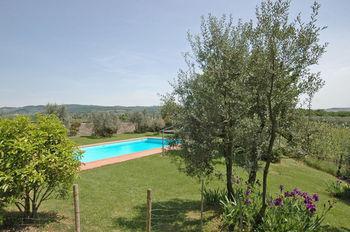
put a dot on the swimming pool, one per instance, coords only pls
(105, 151)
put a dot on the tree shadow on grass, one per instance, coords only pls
(15, 221)
(172, 215)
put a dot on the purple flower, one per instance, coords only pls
(288, 194)
(304, 194)
(248, 192)
(278, 201)
(247, 201)
(296, 191)
(315, 197)
(307, 200)
(311, 207)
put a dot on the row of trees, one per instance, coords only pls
(241, 90)
(323, 141)
(107, 123)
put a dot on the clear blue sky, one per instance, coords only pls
(125, 52)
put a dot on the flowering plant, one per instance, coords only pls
(294, 211)
(240, 212)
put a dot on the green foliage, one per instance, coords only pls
(239, 213)
(37, 161)
(339, 189)
(169, 110)
(294, 212)
(245, 81)
(213, 197)
(105, 124)
(60, 111)
(289, 211)
(74, 128)
(320, 142)
(145, 122)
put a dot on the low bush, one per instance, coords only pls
(213, 197)
(339, 189)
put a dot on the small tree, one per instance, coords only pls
(74, 127)
(140, 120)
(210, 100)
(37, 161)
(282, 52)
(105, 124)
(60, 111)
(169, 110)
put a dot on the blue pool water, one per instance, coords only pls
(121, 148)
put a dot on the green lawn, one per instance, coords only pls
(85, 140)
(324, 165)
(113, 198)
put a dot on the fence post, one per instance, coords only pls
(163, 141)
(149, 211)
(202, 202)
(76, 207)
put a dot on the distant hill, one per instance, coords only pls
(77, 109)
(345, 109)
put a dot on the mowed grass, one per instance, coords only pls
(113, 198)
(85, 140)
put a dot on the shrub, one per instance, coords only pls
(339, 189)
(213, 197)
(37, 161)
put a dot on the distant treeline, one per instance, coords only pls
(78, 109)
(328, 113)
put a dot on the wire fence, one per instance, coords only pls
(16, 221)
(155, 215)
(172, 215)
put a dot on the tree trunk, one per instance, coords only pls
(27, 203)
(229, 183)
(340, 164)
(259, 217)
(261, 214)
(252, 173)
(254, 167)
(255, 151)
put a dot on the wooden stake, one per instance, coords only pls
(76, 207)
(149, 211)
(163, 141)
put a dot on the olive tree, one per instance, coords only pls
(60, 111)
(210, 100)
(105, 124)
(37, 161)
(282, 52)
